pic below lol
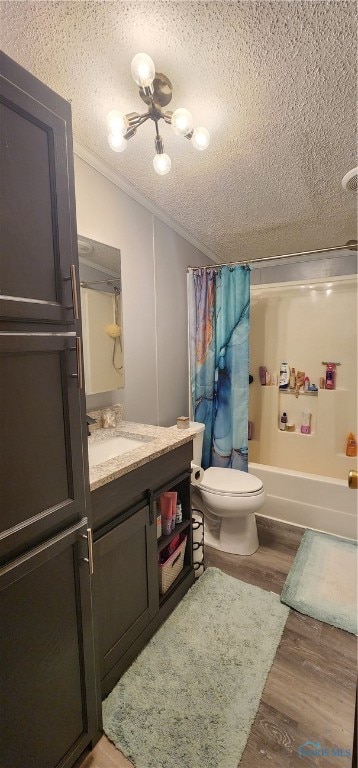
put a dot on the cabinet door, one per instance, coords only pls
(125, 585)
(46, 655)
(42, 482)
(38, 228)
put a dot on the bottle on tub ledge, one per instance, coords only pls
(306, 423)
(262, 375)
(283, 421)
(330, 376)
(284, 376)
(351, 447)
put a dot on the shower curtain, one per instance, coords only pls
(219, 313)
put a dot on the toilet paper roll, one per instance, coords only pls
(197, 474)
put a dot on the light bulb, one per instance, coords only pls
(143, 69)
(162, 164)
(182, 122)
(116, 122)
(200, 138)
(117, 142)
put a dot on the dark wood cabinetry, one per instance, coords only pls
(125, 585)
(46, 648)
(49, 697)
(127, 605)
(46, 677)
(39, 263)
(42, 486)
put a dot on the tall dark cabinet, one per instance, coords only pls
(47, 686)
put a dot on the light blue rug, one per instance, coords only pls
(190, 698)
(322, 582)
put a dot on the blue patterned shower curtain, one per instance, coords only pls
(219, 315)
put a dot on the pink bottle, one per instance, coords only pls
(330, 376)
(165, 504)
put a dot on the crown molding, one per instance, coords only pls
(99, 165)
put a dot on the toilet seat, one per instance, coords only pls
(222, 481)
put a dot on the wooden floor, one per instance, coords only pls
(310, 692)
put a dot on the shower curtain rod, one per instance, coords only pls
(351, 245)
(89, 283)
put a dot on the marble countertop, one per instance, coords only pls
(156, 442)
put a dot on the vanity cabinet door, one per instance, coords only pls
(38, 226)
(48, 712)
(125, 586)
(42, 480)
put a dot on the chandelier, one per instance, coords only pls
(156, 91)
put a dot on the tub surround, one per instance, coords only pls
(323, 451)
(303, 324)
(156, 442)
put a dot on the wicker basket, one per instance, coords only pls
(169, 570)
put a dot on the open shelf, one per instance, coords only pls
(164, 540)
(293, 392)
(183, 488)
(295, 432)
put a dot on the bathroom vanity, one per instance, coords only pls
(124, 492)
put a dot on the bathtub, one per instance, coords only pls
(312, 501)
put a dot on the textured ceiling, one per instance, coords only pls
(274, 82)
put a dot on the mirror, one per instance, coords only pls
(101, 304)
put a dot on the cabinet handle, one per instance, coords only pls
(151, 506)
(79, 374)
(90, 550)
(89, 559)
(74, 291)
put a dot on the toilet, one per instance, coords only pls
(228, 499)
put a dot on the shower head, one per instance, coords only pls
(350, 181)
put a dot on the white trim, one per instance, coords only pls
(99, 165)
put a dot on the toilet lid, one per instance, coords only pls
(233, 482)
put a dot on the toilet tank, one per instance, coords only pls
(197, 441)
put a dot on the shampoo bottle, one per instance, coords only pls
(351, 449)
(284, 375)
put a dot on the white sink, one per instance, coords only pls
(103, 450)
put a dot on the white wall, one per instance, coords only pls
(153, 265)
(172, 255)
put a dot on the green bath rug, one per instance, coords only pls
(322, 582)
(191, 696)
